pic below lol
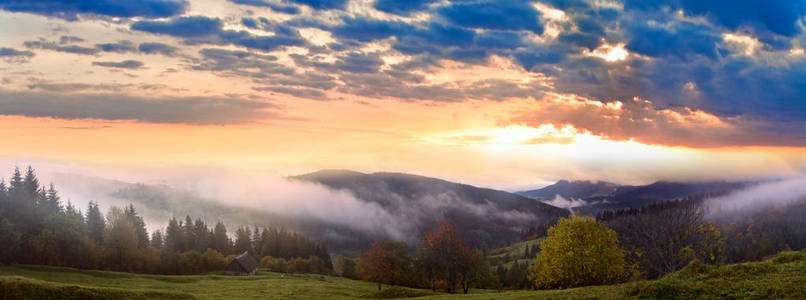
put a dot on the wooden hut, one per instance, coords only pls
(242, 265)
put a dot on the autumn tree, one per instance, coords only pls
(578, 251)
(443, 255)
(377, 265)
(120, 241)
(664, 238)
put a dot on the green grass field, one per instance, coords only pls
(783, 277)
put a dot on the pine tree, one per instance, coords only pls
(189, 235)
(156, 239)
(221, 241)
(243, 240)
(51, 203)
(174, 240)
(95, 223)
(139, 226)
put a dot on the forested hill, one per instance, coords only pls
(595, 196)
(484, 216)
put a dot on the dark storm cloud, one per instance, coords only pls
(187, 110)
(126, 64)
(71, 9)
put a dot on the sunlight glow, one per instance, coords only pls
(609, 53)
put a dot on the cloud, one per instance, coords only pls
(402, 7)
(283, 8)
(46, 45)
(157, 48)
(560, 201)
(681, 39)
(126, 64)
(14, 55)
(68, 39)
(185, 110)
(240, 63)
(778, 16)
(192, 26)
(497, 15)
(119, 47)
(322, 4)
(643, 121)
(72, 9)
(74, 87)
(204, 30)
(757, 197)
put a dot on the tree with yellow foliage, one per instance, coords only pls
(578, 251)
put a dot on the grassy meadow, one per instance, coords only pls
(782, 277)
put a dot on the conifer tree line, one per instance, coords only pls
(37, 228)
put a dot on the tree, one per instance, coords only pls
(221, 242)
(442, 255)
(156, 239)
(475, 270)
(665, 237)
(51, 203)
(139, 226)
(578, 251)
(243, 240)
(95, 223)
(376, 265)
(174, 237)
(120, 241)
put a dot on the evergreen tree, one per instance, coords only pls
(201, 234)
(95, 223)
(189, 235)
(139, 226)
(174, 240)
(156, 239)
(221, 242)
(243, 240)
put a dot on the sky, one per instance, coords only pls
(508, 94)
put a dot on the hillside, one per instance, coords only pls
(591, 197)
(781, 277)
(485, 216)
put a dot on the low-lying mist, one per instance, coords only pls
(757, 197)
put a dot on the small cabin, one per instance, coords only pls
(242, 265)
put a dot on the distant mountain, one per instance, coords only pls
(590, 197)
(573, 190)
(403, 206)
(483, 215)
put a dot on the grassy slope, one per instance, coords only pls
(782, 277)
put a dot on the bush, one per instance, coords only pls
(274, 264)
(578, 251)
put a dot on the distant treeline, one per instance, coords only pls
(36, 228)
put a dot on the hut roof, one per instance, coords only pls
(246, 261)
